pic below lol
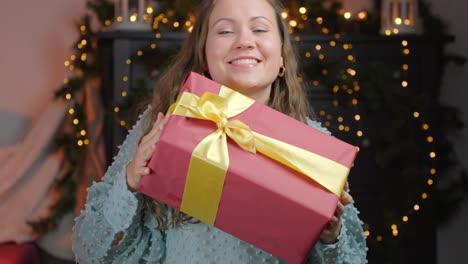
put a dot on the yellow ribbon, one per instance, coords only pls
(210, 159)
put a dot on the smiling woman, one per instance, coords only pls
(242, 44)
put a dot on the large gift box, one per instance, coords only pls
(248, 169)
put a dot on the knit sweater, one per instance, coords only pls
(111, 208)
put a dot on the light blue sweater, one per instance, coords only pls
(111, 208)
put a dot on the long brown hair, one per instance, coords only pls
(287, 93)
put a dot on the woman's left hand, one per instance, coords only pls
(330, 234)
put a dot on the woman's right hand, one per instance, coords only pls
(138, 167)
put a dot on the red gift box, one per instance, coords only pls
(262, 201)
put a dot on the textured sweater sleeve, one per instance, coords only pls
(115, 225)
(351, 245)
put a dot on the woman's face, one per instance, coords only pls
(243, 46)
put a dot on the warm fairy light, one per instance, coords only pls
(302, 10)
(388, 32)
(124, 94)
(83, 57)
(68, 96)
(430, 139)
(107, 22)
(393, 227)
(116, 109)
(396, 31)
(149, 10)
(325, 30)
(128, 61)
(133, 18)
(336, 103)
(425, 126)
(324, 72)
(76, 121)
(321, 56)
(406, 51)
(119, 19)
(341, 127)
(340, 119)
(125, 78)
(73, 57)
(347, 128)
(318, 47)
(430, 182)
(404, 84)
(80, 143)
(315, 83)
(347, 15)
(351, 72)
(398, 21)
(83, 28)
(83, 132)
(407, 22)
(357, 117)
(327, 124)
(71, 111)
(367, 233)
(84, 42)
(158, 36)
(379, 238)
(293, 23)
(433, 171)
(122, 123)
(362, 15)
(66, 63)
(153, 45)
(336, 89)
(284, 15)
(405, 218)
(350, 57)
(139, 53)
(404, 43)
(405, 67)
(176, 24)
(86, 141)
(354, 101)
(416, 207)
(432, 155)
(319, 20)
(395, 232)
(308, 54)
(332, 43)
(297, 38)
(424, 196)
(359, 133)
(66, 81)
(416, 115)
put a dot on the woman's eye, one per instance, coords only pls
(260, 30)
(224, 32)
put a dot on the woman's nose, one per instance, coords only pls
(245, 40)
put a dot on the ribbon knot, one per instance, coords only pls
(222, 123)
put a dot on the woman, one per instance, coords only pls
(242, 44)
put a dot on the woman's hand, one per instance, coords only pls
(330, 234)
(138, 167)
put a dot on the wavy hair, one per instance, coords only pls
(287, 94)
